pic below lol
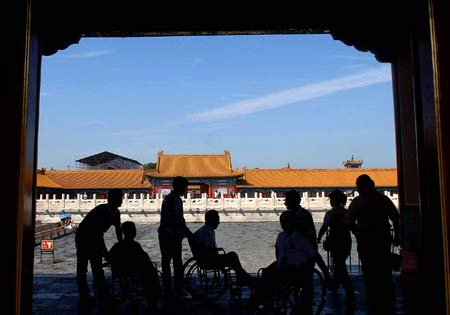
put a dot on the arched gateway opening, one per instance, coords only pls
(413, 38)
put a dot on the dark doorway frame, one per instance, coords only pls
(413, 36)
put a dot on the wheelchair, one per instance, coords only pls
(128, 288)
(208, 283)
(286, 298)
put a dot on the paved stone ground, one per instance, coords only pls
(253, 242)
(57, 294)
(55, 290)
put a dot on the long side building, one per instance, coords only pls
(211, 175)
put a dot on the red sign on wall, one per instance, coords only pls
(47, 245)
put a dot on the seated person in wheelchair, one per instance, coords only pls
(295, 257)
(128, 258)
(205, 250)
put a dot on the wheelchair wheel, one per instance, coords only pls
(127, 289)
(320, 292)
(204, 284)
(287, 300)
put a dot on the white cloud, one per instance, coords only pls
(355, 66)
(90, 54)
(294, 95)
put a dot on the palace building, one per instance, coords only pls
(90, 182)
(210, 175)
(314, 182)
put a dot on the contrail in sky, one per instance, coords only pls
(293, 95)
(90, 54)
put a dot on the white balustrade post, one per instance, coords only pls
(205, 202)
(158, 205)
(94, 199)
(256, 200)
(47, 202)
(79, 202)
(223, 201)
(189, 201)
(239, 200)
(63, 201)
(142, 201)
(274, 200)
(126, 201)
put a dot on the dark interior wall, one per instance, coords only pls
(418, 149)
(21, 59)
(440, 36)
(407, 155)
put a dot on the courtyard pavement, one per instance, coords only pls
(55, 290)
(57, 294)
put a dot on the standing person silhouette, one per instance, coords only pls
(171, 231)
(341, 245)
(91, 247)
(305, 225)
(369, 215)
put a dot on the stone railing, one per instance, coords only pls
(144, 205)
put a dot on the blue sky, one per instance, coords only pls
(307, 100)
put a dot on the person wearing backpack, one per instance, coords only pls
(339, 244)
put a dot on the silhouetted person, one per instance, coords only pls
(91, 245)
(295, 259)
(209, 254)
(171, 232)
(128, 258)
(341, 245)
(305, 225)
(370, 213)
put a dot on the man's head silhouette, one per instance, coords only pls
(365, 184)
(115, 197)
(337, 197)
(212, 218)
(179, 185)
(129, 230)
(292, 199)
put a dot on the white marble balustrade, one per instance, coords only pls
(143, 203)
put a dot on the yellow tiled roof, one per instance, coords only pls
(95, 179)
(268, 178)
(194, 165)
(282, 178)
(43, 181)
